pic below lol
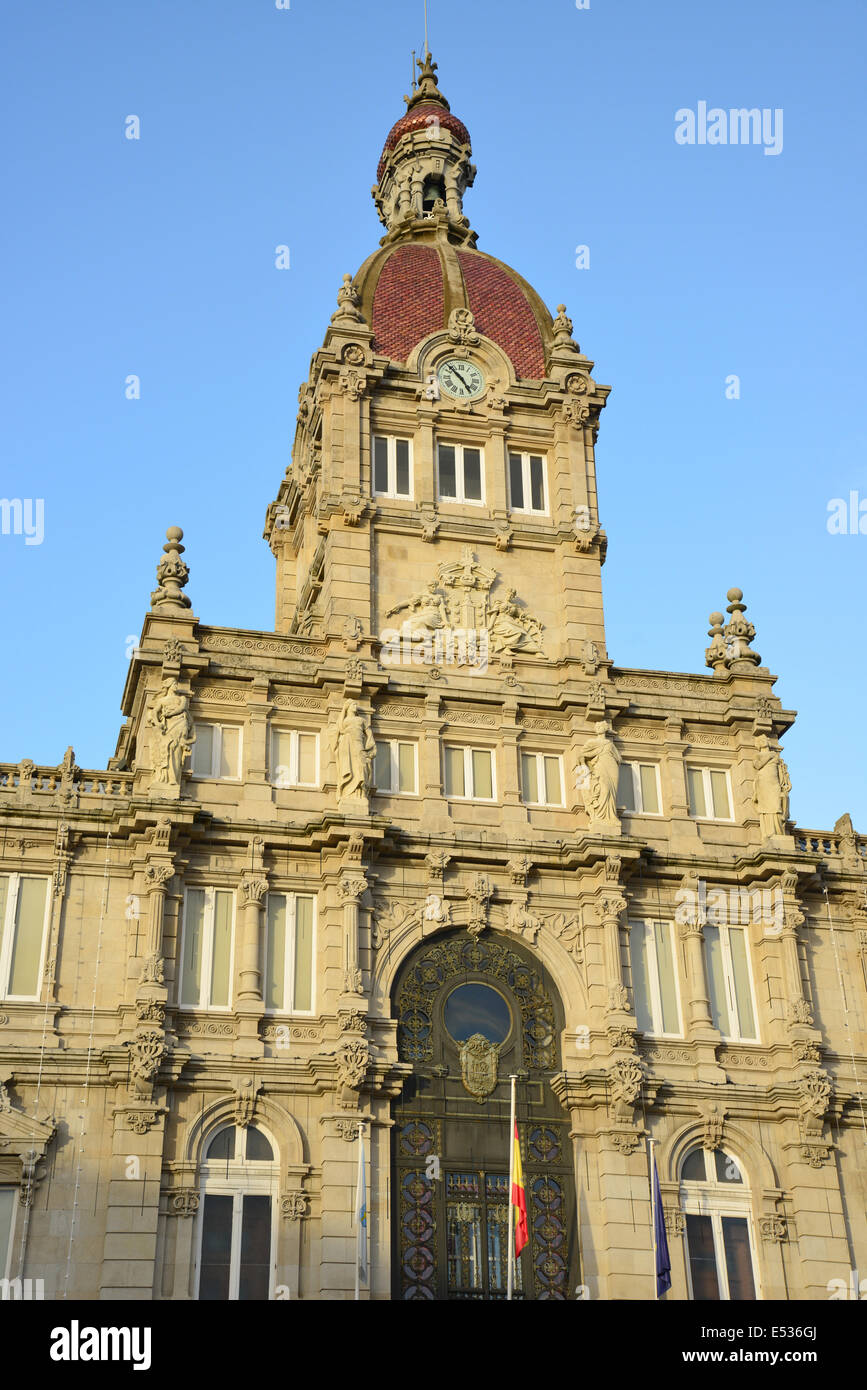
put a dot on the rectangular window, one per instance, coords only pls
(235, 1260)
(217, 751)
(206, 950)
(396, 767)
(720, 1257)
(709, 796)
(527, 489)
(460, 473)
(24, 907)
(294, 758)
(730, 979)
(290, 921)
(638, 788)
(654, 978)
(542, 779)
(392, 466)
(469, 773)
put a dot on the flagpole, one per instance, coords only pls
(650, 1143)
(510, 1284)
(357, 1181)
(362, 1244)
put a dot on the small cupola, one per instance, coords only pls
(425, 166)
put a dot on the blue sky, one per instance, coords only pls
(262, 126)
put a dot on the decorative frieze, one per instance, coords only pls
(204, 1027)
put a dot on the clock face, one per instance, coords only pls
(460, 378)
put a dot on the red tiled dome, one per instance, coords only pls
(420, 118)
(409, 290)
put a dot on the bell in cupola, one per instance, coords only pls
(434, 188)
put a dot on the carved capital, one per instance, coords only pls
(773, 1228)
(183, 1201)
(294, 1206)
(612, 906)
(158, 875)
(352, 889)
(675, 1220)
(254, 890)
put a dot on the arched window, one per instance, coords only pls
(237, 1245)
(719, 1230)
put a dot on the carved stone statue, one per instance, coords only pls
(510, 630)
(772, 790)
(173, 735)
(355, 748)
(427, 611)
(602, 762)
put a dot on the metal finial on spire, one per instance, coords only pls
(426, 47)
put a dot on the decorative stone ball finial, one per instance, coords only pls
(172, 576)
(739, 633)
(347, 310)
(563, 330)
(715, 654)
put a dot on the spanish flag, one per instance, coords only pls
(519, 1197)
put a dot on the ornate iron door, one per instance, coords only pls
(471, 1012)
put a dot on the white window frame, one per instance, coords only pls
(391, 491)
(716, 1200)
(460, 473)
(647, 925)
(525, 472)
(468, 750)
(215, 776)
(708, 792)
(729, 982)
(7, 1264)
(208, 949)
(246, 1178)
(8, 927)
(393, 745)
(293, 758)
(635, 771)
(292, 896)
(541, 779)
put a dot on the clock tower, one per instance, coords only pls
(448, 421)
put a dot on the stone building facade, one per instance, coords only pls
(351, 874)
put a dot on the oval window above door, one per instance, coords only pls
(476, 1008)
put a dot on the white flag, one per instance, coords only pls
(361, 1211)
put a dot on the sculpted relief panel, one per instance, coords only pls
(455, 620)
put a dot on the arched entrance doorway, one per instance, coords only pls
(471, 1012)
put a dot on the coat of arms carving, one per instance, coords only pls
(454, 620)
(479, 1063)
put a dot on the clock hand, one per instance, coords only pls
(462, 378)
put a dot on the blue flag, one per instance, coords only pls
(663, 1259)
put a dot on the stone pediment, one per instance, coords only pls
(17, 1127)
(23, 1142)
